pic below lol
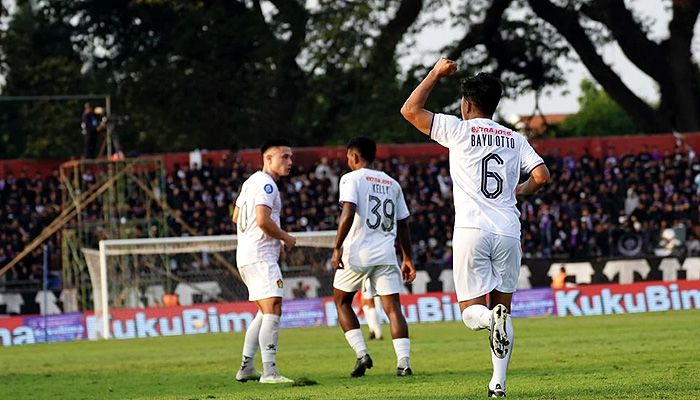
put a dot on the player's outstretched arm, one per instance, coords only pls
(403, 234)
(538, 178)
(344, 226)
(414, 108)
(263, 217)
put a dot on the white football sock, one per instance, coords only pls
(476, 316)
(500, 365)
(402, 347)
(252, 333)
(269, 333)
(356, 341)
(372, 319)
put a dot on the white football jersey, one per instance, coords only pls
(486, 160)
(380, 203)
(253, 244)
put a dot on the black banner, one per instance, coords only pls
(536, 273)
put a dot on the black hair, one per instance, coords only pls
(365, 146)
(274, 143)
(484, 91)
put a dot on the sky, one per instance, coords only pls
(431, 40)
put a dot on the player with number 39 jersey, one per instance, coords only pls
(379, 204)
(374, 215)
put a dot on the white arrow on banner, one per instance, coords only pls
(420, 284)
(448, 281)
(625, 270)
(692, 268)
(524, 279)
(669, 268)
(581, 270)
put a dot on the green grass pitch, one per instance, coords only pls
(633, 356)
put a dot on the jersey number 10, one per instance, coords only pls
(242, 222)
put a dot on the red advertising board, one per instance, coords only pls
(308, 156)
(630, 298)
(174, 321)
(418, 308)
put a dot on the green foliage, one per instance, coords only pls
(219, 74)
(225, 74)
(38, 59)
(631, 356)
(189, 75)
(599, 115)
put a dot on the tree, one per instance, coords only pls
(224, 74)
(583, 27)
(228, 73)
(37, 59)
(599, 115)
(189, 74)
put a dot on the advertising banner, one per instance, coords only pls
(418, 308)
(56, 328)
(302, 313)
(202, 318)
(13, 331)
(632, 298)
(532, 303)
(538, 273)
(438, 307)
(174, 321)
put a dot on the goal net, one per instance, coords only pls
(151, 272)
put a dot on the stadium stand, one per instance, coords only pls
(610, 206)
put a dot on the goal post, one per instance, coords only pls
(120, 269)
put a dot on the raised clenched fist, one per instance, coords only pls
(444, 67)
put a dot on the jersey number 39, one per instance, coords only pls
(376, 218)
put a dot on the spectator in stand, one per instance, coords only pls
(575, 218)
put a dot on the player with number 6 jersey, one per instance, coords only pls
(486, 162)
(374, 215)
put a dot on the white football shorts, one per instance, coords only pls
(484, 261)
(368, 291)
(263, 279)
(383, 280)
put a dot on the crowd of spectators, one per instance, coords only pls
(629, 205)
(27, 206)
(646, 203)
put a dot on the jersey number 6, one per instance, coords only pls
(486, 175)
